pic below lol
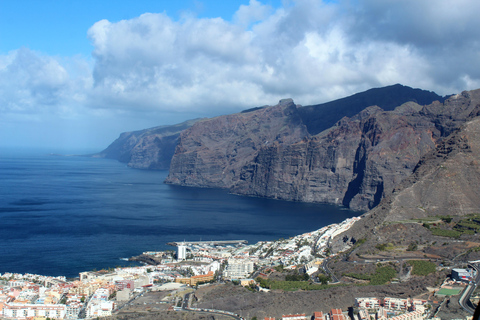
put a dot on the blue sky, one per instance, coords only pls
(75, 74)
(58, 27)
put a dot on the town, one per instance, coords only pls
(170, 283)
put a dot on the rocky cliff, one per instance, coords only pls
(344, 152)
(147, 149)
(444, 183)
(269, 152)
(214, 152)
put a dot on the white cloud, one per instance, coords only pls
(32, 83)
(309, 50)
(253, 12)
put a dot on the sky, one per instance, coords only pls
(75, 74)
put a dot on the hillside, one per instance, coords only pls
(436, 207)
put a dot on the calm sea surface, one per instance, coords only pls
(63, 215)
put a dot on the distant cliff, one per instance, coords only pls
(146, 149)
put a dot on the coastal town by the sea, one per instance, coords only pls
(171, 278)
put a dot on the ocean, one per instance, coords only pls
(61, 215)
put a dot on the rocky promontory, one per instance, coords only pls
(151, 149)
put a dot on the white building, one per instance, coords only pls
(367, 303)
(182, 252)
(24, 311)
(462, 275)
(100, 308)
(238, 269)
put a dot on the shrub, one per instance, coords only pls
(412, 246)
(446, 233)
(383, 275)
(381, 246)
(422, 267)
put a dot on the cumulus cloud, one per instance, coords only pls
(32, 83)
(310, 50)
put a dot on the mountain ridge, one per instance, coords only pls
(296, 153)
(353, 163)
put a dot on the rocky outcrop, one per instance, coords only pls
(270, 153)
(212, 153)
(146, 149)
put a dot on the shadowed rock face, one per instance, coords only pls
(269, 152)
(353, 163)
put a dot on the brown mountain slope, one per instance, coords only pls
(445, 183)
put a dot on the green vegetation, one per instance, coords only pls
(422, 267)
(468, 225)
(446, 233)
(449, 292)
(279, 268)
(446, 219)
(359, 276)
(413, 246)
(421, 220)
(381, 276)
(323, 278)
(297, 277)
(359, 242)
(384, 246)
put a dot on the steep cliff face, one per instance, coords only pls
(269, 152)
(147, 149)
(212, 153)
(444, 183)
(354, 163)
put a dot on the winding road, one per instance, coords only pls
(464, 300)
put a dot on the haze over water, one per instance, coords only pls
(63, 215)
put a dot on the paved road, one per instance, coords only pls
(464, 300)
(328, 271)
(186, 307)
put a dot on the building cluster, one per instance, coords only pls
(370, 308)
(334, 314)
(390, 308)
(241, 260)
(27, 296)
(98, 294)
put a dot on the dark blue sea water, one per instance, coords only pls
(63, 215)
